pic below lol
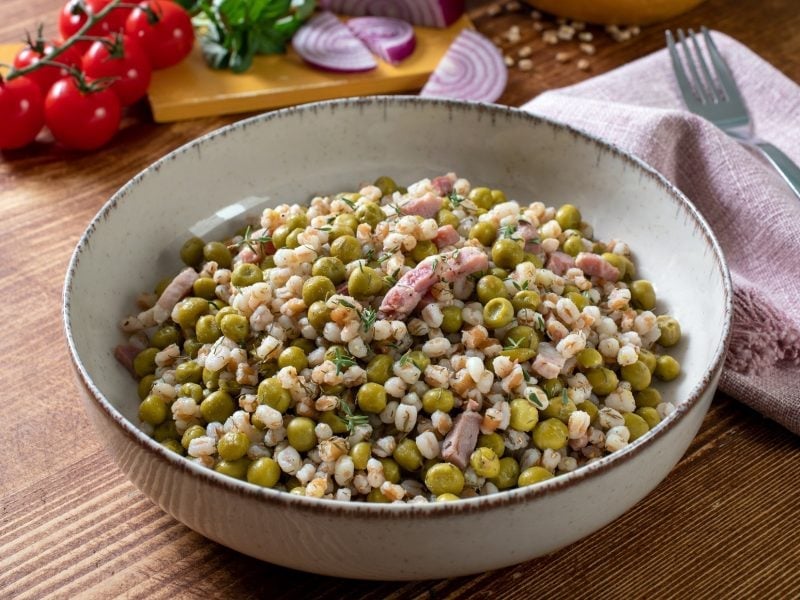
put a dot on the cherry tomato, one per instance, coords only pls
(168, 41)
(21, 112)
(47, 75)
(84, 120)
(69, 23)
(125, 60)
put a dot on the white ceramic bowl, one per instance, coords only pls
(294, 153)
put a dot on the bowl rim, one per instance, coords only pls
(276, 498)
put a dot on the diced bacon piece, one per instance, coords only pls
(530, 235)
(549, 361)
(560, 262)
(125, 353)
(179, 287)
(404, 296)
(426, 206)
(246, 255)
(596, 266)
(461, 441)
(444, 185)
(446, 235)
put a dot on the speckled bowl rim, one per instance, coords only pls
(278, 499)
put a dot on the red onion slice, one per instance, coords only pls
(326, 43)
(391, 39)
(427, 13)
(471, 69)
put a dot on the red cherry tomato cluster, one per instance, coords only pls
(81, 96)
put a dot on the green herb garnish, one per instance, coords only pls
(248, 240)
(352, 419)
(342, 361)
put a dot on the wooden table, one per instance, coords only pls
(724, 523)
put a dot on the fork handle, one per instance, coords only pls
(783, 164)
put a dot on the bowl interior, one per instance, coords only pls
(291, 155)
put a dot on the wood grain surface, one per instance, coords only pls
(723, 524)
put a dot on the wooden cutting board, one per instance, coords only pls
(191, 89)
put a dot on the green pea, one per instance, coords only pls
(379, 369)
(649, 398)
(485, 462)
(493, 441)
(553, 387)
(217, 406)
(438, 399)
(188, 310)
(519, 354)
(616, 260)
(173, 444)
(670, 330)
(559, 408)
(490, 287)
(423, 250)
(569, 217)
(452, 319)
(298, 221)
(191, 347)
(604, 381)
(643, 295)
(376, 495)
(497, 313)
(264, 472)
(482, 197)
(630, 268)
(507, 253)
(578, 299)
(364, 282)
(188, 372)
(165, 431)
(446, 217)
(589, 358)
(407, 455)
(447, 498)
(667, 368)
(346, 248)
(334, 421)
(279, 236)
(340, 231)
(153, 410)
(317, 288)
(573, 245)
(192, 251)
(293, 357)
(300, 433)
(637, 374)
(145, 385)
(590, 409)
(267, 263)
(528, 299)
(329, 267)
(225, 311)
(360, 453)
(207, 329)
(370, 213)
(271, 393)
(191, 433)
(650, 415)
(498, 197)
(552, 434)
(648, 358)
(318, 315)
(233, 445)
(235, 327)
(419, 359)
(444, 478)
(636, 425)
(391, 470)
(145, 362)
(521, 336)
(246, 274)
(165, 336)
(533, 475)
(524, 415)
(233, 468)
(507, 477)
(371, 397)
(386, 185)
(292, 240)
(484, 232)
(219, 253)
(191, 390)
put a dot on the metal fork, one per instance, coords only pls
(720, 101)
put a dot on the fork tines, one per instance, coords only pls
(703, 88)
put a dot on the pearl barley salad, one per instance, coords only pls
(402, 345)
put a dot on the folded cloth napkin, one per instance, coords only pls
(754, 215)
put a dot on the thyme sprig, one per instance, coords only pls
(353, 420)
(249, 241)
(342, 360)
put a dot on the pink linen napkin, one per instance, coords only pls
(754, 215)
